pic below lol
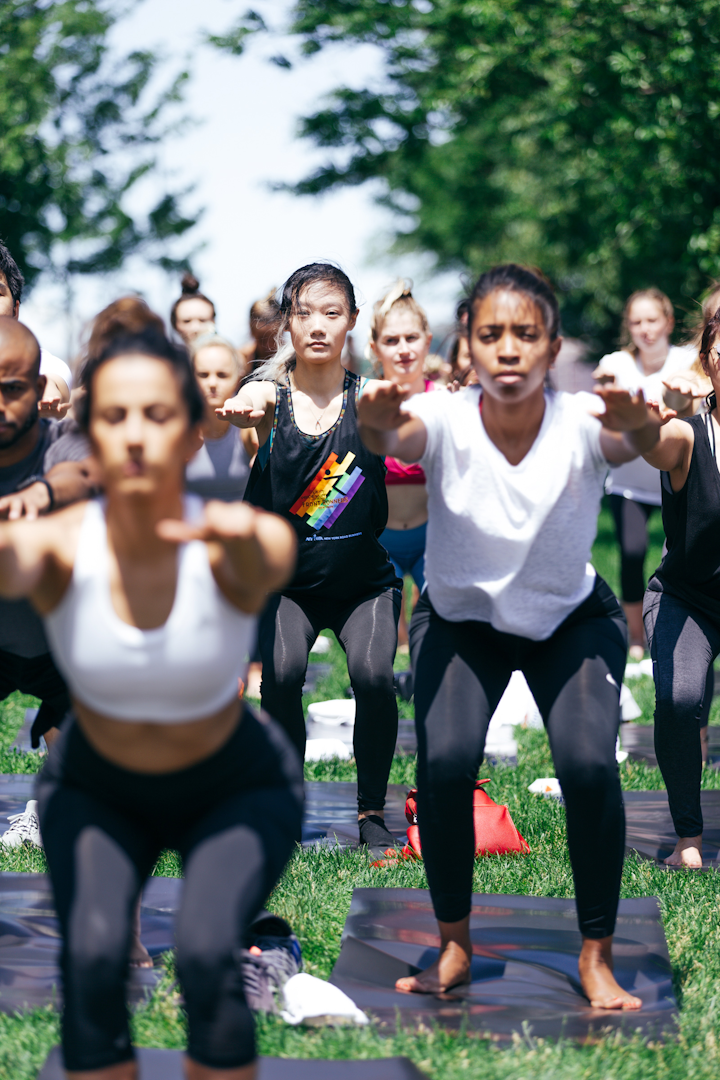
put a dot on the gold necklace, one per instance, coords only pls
(318, 419)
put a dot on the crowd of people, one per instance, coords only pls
(195, 506)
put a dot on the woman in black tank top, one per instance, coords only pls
(313, 470)
(682, 603)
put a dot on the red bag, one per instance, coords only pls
(495, 832)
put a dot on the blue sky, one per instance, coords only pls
(245, 113)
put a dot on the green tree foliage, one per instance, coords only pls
(577, 135)
(75, 138)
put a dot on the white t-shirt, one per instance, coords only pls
(54, 366)
(510, 544)
(637, 480)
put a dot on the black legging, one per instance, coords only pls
(367, 630)
(461, 671)
(234, 818)
(684, 642)
(631, 525)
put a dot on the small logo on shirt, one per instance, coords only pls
(329, 492)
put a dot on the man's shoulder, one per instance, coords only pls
(64, 442)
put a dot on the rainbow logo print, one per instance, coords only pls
(329, 492)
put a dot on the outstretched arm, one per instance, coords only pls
(67, 482)
(252, 553)
(252, 407)
(630, 427)
(24, 556)
(385, 428)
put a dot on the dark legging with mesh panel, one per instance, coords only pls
(684, 642)
(234, 818)
(461, 671)
(367, 630)
(631, 525)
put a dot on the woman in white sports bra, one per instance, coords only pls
(150, 603)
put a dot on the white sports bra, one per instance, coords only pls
(185, 670)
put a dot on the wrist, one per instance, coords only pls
(46, 486)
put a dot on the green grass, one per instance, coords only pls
(315, 892)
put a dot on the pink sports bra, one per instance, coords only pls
(400, 473)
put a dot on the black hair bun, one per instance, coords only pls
(189, 283)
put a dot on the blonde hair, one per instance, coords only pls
(211, 338)
(663, 302)
(397, 296)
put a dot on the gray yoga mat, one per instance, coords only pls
(22, 743)
(639, 741)
(167, 1065)
(649, 828)
(30, 939)
(524, 968)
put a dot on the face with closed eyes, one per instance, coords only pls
(139, 427)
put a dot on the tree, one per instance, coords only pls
(75, 139)
(576, 135)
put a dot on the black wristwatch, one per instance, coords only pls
(39, 480)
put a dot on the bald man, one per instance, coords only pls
(44, 464)
(55, 400)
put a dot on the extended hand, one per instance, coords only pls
(28, 503)
(379, 406)
(240, 413)
(680, 384)
(224, 523)
(623, 411)
(55, 408)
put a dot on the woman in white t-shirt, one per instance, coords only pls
(515, 475)
(648, 362)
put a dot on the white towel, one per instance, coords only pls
(311, 1001)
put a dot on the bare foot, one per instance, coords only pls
(596, 977)
(688, 852)
(452, 968)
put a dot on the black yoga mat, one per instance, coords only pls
(30, 941)
(639, 741)
(330, 808)
(524, 967)
(167, 1065)
(649, 828)
(331, 812)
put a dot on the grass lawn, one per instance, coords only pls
(314, 895)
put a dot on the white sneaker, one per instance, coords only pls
(24, 828)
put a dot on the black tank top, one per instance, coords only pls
(331, 489)
(691, 518)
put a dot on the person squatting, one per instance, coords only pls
(271, 493)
